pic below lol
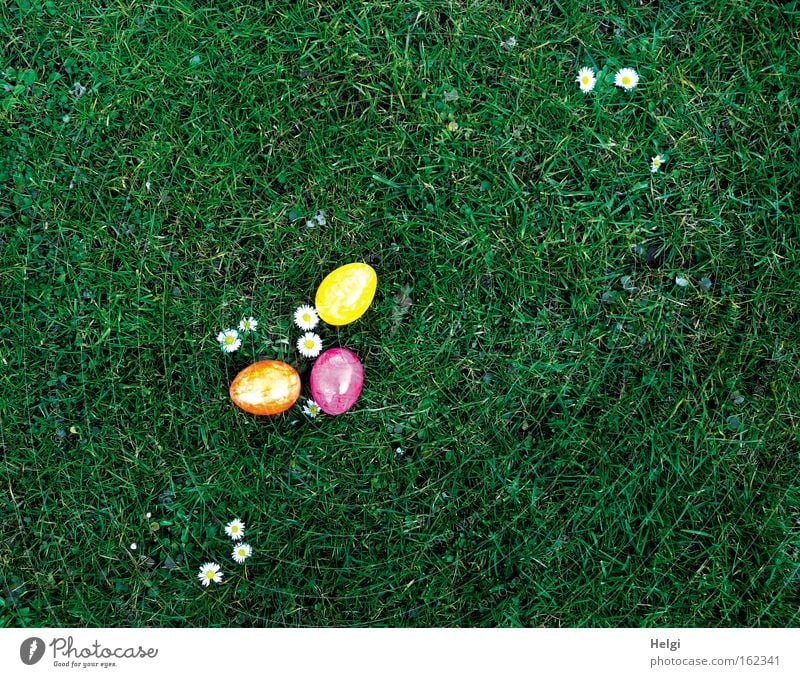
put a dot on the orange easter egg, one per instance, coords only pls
(265, 388)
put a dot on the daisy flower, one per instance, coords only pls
(586, 79)
(229, 340)
(306, 318)
(309, 344)
(656, 162)
(627, 78)
(241, 552)
(235, 529)
(311, 408)
(510, 43)
(210, 572)
(248, 324)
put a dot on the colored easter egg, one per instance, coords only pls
(266, 387)
(336, 380)
(345, 294)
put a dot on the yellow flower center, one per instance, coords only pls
(585, 79)
(309, 344)
(626, 79)
(235, 529)
(241, 552)
(306, 318)
(209, 574)
(656, 161)
(229, 339)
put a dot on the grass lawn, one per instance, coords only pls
(552, 432)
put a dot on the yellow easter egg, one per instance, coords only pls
(345, 294)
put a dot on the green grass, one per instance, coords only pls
(586, 443)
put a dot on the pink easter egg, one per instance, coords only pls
(336, 380)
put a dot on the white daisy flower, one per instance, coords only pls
(229, 340)
(241, 552)
(510, 43)
(586, 79)
(656, 162)
(627, 78)
(235, 529)
(209, 573)
(309, 344)
(311, 408)
(306, 318)
(133, 546)
(248, 324)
